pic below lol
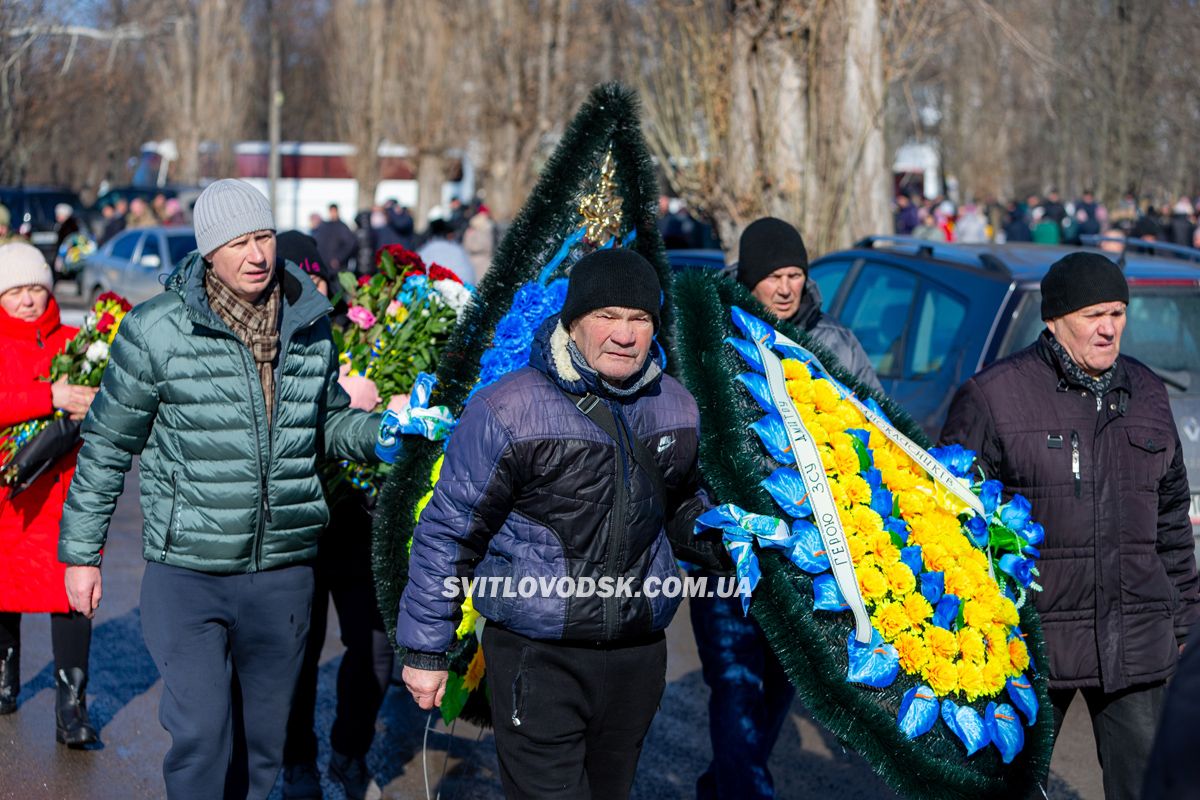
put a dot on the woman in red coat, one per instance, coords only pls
(31, 578)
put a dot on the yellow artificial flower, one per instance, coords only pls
(918, 609)
(864, 521)
(979, 612)
(942, 643)
(994, 675)
(970, 644)
(1006, 611)
(970, 680)
(850, 416)
(434, 474)
(475, 671)
(890, 620)
(825, 397)
(858, 491)
(1018, 654)
(469, 616)
(997, 642)
(845, 457)
(829, 462)
(872, 583)
(801, 393)
(885, 462)
(900, 578)
(942, 676)
(794, 370)
(914, 655)
(858, 549)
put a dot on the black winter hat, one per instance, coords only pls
(1080, 280)
(766, 245)
(301, 250)
(613, 277)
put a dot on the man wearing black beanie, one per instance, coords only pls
(579, 469)
(773, 265)
(1088, 436)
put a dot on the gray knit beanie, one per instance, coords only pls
(228, 209)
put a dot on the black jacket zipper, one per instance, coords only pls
(617, 525)
(172, 521)
(1075, 461)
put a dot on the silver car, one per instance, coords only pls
(135, 263)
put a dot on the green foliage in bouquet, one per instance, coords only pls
(398, 322)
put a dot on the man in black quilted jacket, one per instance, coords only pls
(1088, 436)
(581, 466)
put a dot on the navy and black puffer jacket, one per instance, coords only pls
(531, 487)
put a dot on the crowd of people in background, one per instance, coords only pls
(1049, 219)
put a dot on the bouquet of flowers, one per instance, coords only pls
(71, 253)
(30, 448)
(398, 322)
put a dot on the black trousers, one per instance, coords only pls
(70, 637)
(228, 648)
(343, 572)
(1124, 724)
(570, 718)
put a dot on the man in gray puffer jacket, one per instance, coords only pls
(226, 385)
(580, 467)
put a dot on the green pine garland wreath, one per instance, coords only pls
(812, 649)
(608, 121)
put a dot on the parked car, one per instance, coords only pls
(135, 263)
(931, 314)
(32, 210)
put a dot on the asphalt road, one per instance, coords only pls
(461, 764)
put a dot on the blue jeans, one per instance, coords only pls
(750, 699)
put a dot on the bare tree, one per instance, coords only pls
(776, 108)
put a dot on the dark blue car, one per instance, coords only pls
(931, 314)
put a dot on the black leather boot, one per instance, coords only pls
(73, 728)
(10, 680)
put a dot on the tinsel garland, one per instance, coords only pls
(607, 123)
(812, 648)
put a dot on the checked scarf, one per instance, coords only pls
(255, 324)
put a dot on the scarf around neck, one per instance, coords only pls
(255, 324)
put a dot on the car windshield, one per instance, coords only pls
(1162, 331)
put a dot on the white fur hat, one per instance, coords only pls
(23, 264)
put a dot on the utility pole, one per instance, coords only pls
(273, 112)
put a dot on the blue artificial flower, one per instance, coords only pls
(757, 386)
(1004, 729)
(774, 437)
(966, 724)
(531, 302)
(911, 557)
(752, 327)
(989, 495)
(747, 351)
(933, 586)
(1015, 514)
(787, 488)
(556, 295)
(945, 614)
(956, 458)
(808, 551)
(415, 287)
(882, 503)
(1023, 696)
(1019, 568)
(1034, 533)
(977, 531)
(874, 479)
(513, 333)
(875, 663)
(918, 711)
(896, 527)
(860, 434)
(827, 596)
